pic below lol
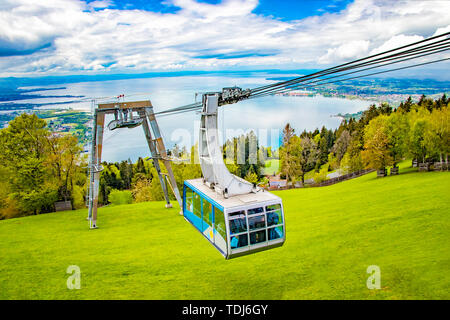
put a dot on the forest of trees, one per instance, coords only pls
(382, 137)
(39, 167)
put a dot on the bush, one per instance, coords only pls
(142, 190)
(77, 195)
(117, 197)
(321, 175)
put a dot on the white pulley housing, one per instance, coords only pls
(215, 173)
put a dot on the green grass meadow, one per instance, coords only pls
(272, 166)
(144, 251)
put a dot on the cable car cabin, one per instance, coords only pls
(236, 226)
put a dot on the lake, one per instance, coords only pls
(266, 116)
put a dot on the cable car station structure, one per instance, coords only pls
(235, 216)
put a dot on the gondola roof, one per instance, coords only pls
(235, 201)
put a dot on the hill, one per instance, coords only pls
(143, 251)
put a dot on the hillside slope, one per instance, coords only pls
(143, 251)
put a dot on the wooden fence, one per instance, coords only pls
(344, 177)
(63, 205)
(427, 166)
(441, 166)
(330, 181)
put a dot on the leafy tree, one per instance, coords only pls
(251, 177)
(64, 160)
(142, 190)
(126, 172)
(78, 193)
(8, 205)
(385, 108)
(291, 159)
(371, 113)
(24, 152)
(345, 164)
(341, 145)
(140, 166)
(323, 150)
(417, 144)
(351, 163)
(376, 153)
(244, 151)
(407, 105)
(397, 131)
(332, 161)
(310, 155)
(288, 133)
(437, 135)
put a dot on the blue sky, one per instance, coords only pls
(49, 37)
(284, 10)
(295, 10)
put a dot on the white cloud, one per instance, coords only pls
(64, 36)
(100, 4)
(395, 42)
(346, 51)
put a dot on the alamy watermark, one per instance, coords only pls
(242, 146)
(374, 280)
(74, 280)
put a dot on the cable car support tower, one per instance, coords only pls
(128, 115)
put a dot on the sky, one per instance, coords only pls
(59, 37)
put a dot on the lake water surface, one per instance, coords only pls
(266, 116)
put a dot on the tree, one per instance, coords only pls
(406, 107)
(341, 145)
(323, 150)
(126, 172)
(354, 149)
(140, 166)
(371, 113)
(24, 154)
(351, 163)
(332, 161)
(64, 160)
(8, 206)
(376, 153)
(142, 190)
(385, 108)
(251, 177)
(245, 152)
(288, 133)
(397, 131)
(345, 164)
(418, 147)
(437, 137)
(291, 159)
(310, 155)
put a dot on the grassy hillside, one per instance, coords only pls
(334, 233)
(272, 166)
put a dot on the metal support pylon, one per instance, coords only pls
(95, 166)
(156, 146)
(155, 155)
(163, 154)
